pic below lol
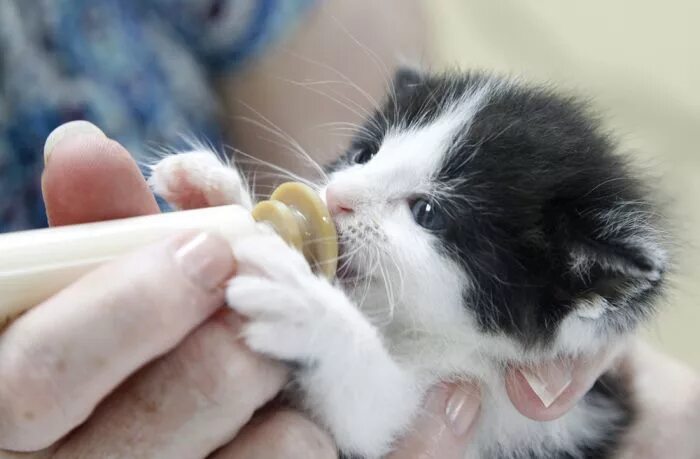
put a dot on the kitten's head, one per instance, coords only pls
(486, 204)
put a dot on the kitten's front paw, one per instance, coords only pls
(198, 179)
(297, 316)
(293, 314)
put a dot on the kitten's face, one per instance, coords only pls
(475, 202)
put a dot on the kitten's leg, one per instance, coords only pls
(348, 379)
(198, 179)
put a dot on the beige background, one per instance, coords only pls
(640, 61)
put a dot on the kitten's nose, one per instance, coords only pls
(336, 204)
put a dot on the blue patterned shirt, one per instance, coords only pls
(139, 69)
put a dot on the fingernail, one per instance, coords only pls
(70, 129)
(462, 408)
(548, 381)
(206, 260)
(441, 429)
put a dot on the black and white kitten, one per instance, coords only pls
(484, 224)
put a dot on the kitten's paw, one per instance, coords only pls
(296, 316)
(198, 179)
(293, 314)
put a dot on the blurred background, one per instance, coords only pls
(257, 73)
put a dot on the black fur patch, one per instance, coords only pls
(616, 391)
(342, 455)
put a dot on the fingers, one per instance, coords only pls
(186, 404)
(549, 390)
(445, 426)
(279, 434)
(62, 357)
(89, 177)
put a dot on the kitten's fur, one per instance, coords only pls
(548, 246)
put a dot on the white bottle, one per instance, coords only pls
(37, 264)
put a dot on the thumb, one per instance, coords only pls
(88, 178)
(550, 389)
(445, 424)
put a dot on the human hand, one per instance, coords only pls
(133, 360)
(450, 411)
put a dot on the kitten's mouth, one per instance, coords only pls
(347, 270)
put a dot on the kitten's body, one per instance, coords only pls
(484, 225)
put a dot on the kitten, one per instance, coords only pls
(484, 223)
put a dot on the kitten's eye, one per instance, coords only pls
(362, 155)
(427, 215)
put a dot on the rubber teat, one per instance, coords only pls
(301, 218)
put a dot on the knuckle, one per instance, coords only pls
(33, 416)
(216, 364)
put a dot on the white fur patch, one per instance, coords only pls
(408, 159)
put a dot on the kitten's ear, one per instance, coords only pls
(616, 263)
(406, 79)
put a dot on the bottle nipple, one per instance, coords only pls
(301, 218)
